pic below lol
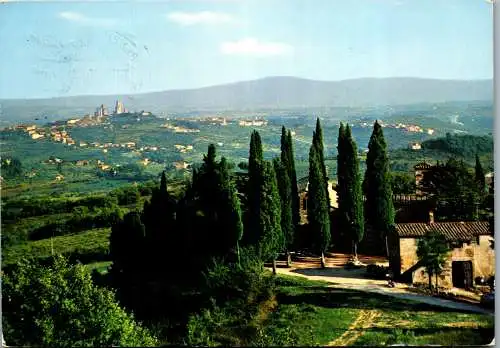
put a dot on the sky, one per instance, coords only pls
(63, 48)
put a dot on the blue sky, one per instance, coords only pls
(50, 49)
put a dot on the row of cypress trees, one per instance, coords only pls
(210, 215)
(353, 212)
(272, 196)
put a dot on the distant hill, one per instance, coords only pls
(266, 93)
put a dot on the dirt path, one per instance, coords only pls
(342, 279)
(364, 320)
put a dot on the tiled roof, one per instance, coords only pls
(453, 231)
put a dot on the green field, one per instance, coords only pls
(318, 315)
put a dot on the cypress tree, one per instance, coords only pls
(479, 176)
(207, 184)
(285, 193)
(353, 200)
(377, 184)
(127, 239)
(271, 240)
(341, 178)
(288, 160)
(163, 182)
(255, 182)
(318, 142)
(159, 218)
(292, 174)
(317, 206)
(230, 222)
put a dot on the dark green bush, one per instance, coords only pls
(376, 271)
(240, 295)
(126, 195)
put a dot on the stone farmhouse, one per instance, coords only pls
(471, 255)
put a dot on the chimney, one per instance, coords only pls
(431, 217)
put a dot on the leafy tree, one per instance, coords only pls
(317, 206)
(11, 168)
(432, 252)
(126, 195)
(353, 199)
(271, 238)
(461, 145)
(285, 192)
(288, 160)
(403, 183)
(60, 167)
(254, 188)
(379, 208)
(454, 188)
(59, 306)
(479, 176)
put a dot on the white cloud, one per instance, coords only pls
(203, 17)
(254, 47)
(85, 20)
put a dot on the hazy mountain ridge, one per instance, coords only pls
(270, 92)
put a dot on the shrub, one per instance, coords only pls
(247, 281)
(205, 329)
(377, 271)
(146, 189)
(400, 336)
(126, 195)
(59, 306)
(240, 298)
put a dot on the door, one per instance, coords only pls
(468, 276)
(461, 274)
